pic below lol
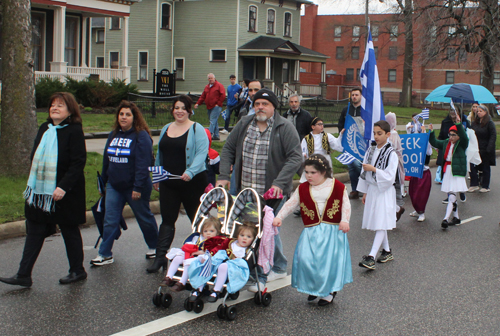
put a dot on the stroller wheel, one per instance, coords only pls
(188, 305)
(166, 300)
(221, 311)
(256, 298)
(198, 306)
(157, 299)
(230, 313)
(234, 296)
(266, 299)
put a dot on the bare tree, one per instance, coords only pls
(18, 89)
(406, 8)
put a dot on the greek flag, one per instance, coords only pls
(206, 271)
(352, 139)
(224, 115)
(160, 174)
(424, 114)
(372, 108)
(345, 158)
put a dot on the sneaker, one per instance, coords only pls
(385, 256)
(224, 131)
(472, 189)
(151, 254)
(484, 190)
(454, 221)
(100, 260)
(275, 276)
(463, 198)
(445, 201)
(444, 224)
(414, 214)
(254, 288)
(368, 262)
(421, 218)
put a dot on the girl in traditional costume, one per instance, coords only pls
(322, 259)
(377, 178)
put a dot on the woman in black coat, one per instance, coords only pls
(56, 198)
(486, 134)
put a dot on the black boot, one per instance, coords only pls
(157, 264)
(19, 281)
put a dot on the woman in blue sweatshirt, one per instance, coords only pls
(127, 155)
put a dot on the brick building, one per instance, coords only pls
(343, 38)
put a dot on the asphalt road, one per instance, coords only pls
(440, 283)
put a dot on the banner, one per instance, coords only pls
(352, 139)
(414, 148)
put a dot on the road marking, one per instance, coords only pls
(470, 219)
(184, 316)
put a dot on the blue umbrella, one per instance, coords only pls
(462, 93)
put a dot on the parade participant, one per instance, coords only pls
(399, 184)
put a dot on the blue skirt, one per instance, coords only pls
(322, 261)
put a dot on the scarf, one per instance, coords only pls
(310, 143)
(382, 160)
(446, 163)
(43, 173)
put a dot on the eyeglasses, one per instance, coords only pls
(452, 134)
(319, 124)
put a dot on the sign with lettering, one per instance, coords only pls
(165, 83)
(414, 148)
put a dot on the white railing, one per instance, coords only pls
(59, 75)
(312, 90)
(105, 74)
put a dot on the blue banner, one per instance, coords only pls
(352, 139)
(414, 148)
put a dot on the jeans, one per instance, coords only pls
(232, 188)
(229, 108)
(115, 201)
(474, 180)
(213, 116)
(354, 172)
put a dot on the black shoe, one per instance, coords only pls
(353, 195)
(73, 277)
(215, 138)
(463, 198)
(213, 298)
(194, 295)
(454, 221)
(296, 213)
(19, 281)
(445, 201)
(311, 298)
(157, 264)
(399, 213)
(368, 262)
(444, 224)
(322, 302)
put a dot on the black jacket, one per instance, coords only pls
(486, 138)
(353, 111)
(71, 159)
(302, 123)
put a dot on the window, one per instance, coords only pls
(285, 72)
(349, 74)
(142, 71)
(252, 18)
(99, 36)
(114, 59)
(462, 55)
(356, 31)
(179, 68)
(287, 31)
(394, 33)
(450, 54)
(496, 78)
(450, 77)
(452, 30)
(165, 16)
(38, 24)
(71, 43)
(337, 31)
(99, 62)
(433, 33)
(271, 17)
(392, 75)
(115, 23)
(340, 53)
(374, 31)
(393, 53)
(217, 55)
(355, 53)
(375, 49)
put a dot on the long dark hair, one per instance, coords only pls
(139, 123)
(71, 104)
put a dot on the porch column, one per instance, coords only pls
(124, 66)
(268, 82)
(323, 80)
(58, 64)
(83, 57)
(296, 76)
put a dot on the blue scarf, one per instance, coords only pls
(42, 180)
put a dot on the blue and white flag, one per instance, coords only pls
(352, 139)
(160, 174)
(345, 158)
(206, 271)
(224, 115)
(372, 108)
(424, 114)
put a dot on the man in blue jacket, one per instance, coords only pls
(233, 92)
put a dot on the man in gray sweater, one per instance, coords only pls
(264, 150)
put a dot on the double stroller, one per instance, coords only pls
(247, 206)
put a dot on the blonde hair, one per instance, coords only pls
(211, 221)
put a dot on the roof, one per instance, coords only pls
(276, 45)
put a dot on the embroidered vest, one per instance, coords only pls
(309, 209)
(310, 143)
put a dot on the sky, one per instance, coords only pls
(352, 6)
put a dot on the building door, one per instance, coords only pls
(38, 37)
(249, 68)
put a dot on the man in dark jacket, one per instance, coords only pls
(213, 95)
(355, 166)
(299, 117)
